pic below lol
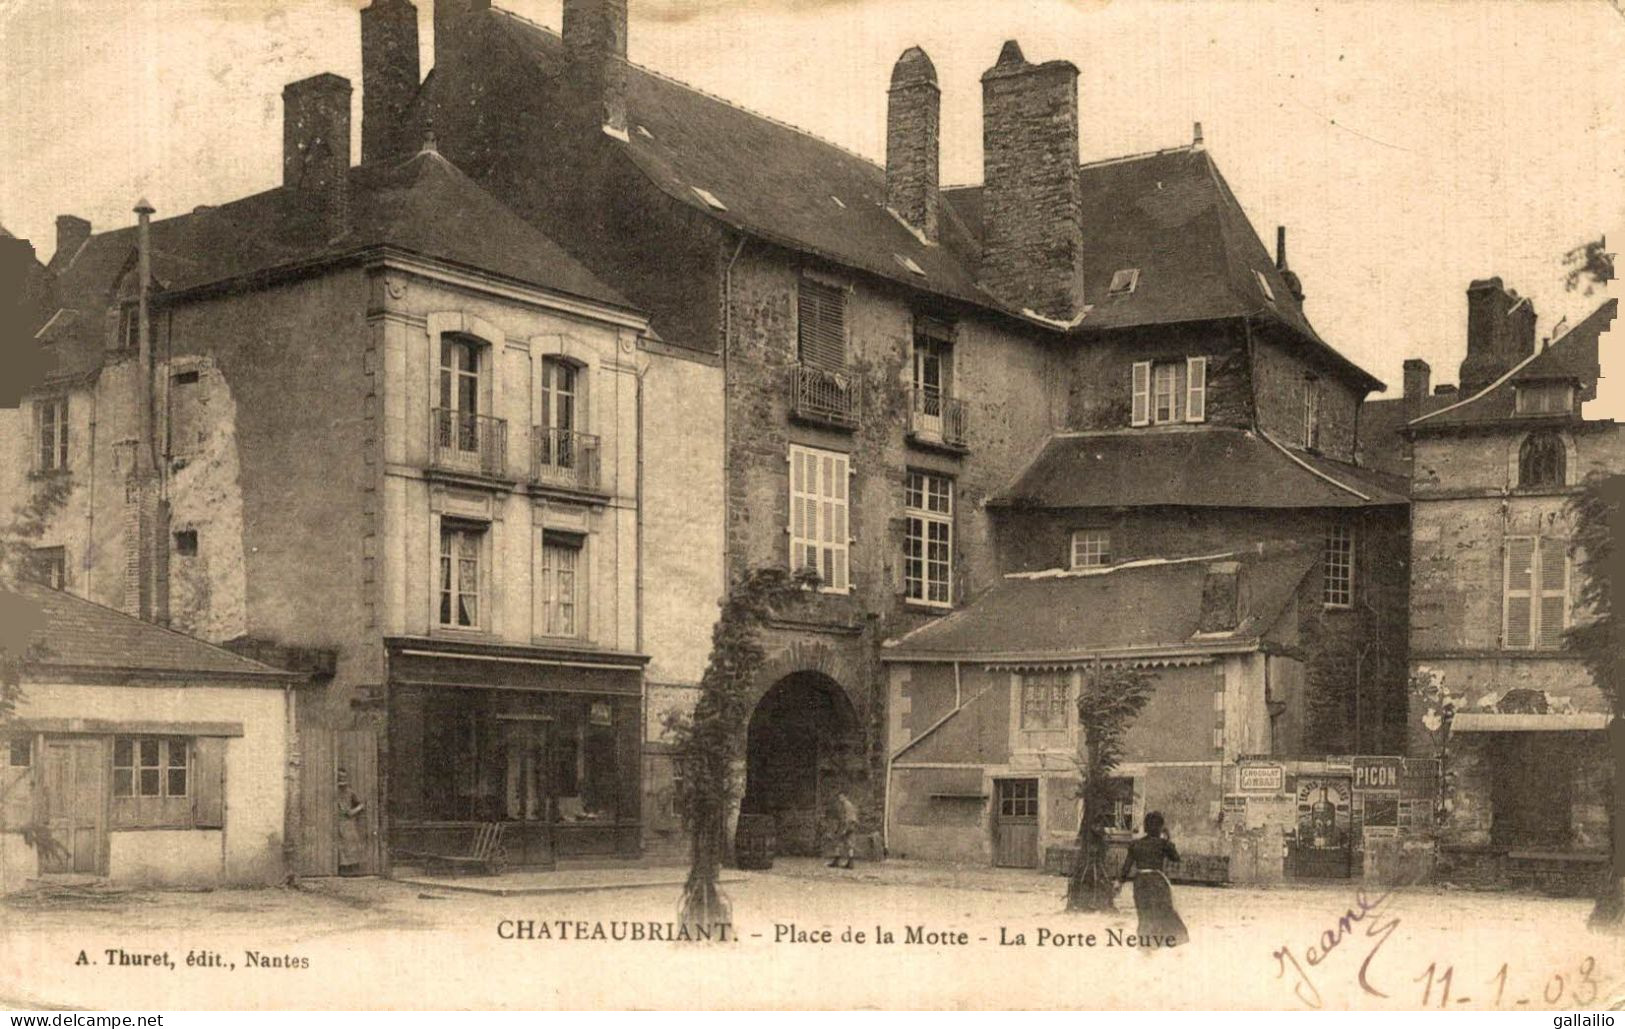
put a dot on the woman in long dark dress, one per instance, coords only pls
(1153, 894)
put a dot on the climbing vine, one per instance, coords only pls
(1111, 698)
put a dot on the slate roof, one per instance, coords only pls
(1147, 607)
(1382, 445)
(1572, 356)
(1169, 213)
(1208, 466)
(423, 204)
(78, 635)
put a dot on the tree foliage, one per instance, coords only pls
(711, 742)
(1589, 265)
(1111, 698)
(19, 562)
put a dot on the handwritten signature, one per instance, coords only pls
(1366, 913)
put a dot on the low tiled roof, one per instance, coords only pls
(1170, 213)
(1208, 466)
(424, 205)
(1572, 356)
(1139, 607)
(77, 635)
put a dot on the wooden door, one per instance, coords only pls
(357, 754)
(1015, 824)
(75, 807)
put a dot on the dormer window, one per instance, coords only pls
(1123, 282)
(1164, 392)
(1545, 398)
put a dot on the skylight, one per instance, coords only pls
(710, 198)
(908, 262)
(1123, 282)
(1264, 284)
(838, 201)
(645, 133)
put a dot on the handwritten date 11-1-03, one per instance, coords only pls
(1581, 986)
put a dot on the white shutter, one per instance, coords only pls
(818, 514)
(1196, 389)
(1518, 615)
(1140, 413)
(1554, 592)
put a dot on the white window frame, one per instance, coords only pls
(1338, 558)
(1184, 388)
(1049, 682)
(1311, 414)
(448, 579)
(1091, 548)
(1196, 389)
(928, 505)
(1140, 393)
(820, 522)
(555, 578)
(51, 455)
(1544, 551)
(1169, 389)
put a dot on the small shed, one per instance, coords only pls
(137, 754)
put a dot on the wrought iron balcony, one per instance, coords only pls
(821, 395)
(564, 457)
(476, 444)
(934, 418)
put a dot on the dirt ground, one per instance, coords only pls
(932, 937)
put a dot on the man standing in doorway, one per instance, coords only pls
(846, 826)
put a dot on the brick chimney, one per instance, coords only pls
(71, 233)
(1032, 239)
(1500, 333)
(1221, 597)
(1417, 377)
(451, 22)
(913, 115)
(1293, 283)
(316, 145)
(594, 33)
(389, 74)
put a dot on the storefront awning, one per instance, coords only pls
(553, 670)
(1480, 721)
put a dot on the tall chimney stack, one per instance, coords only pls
(452, 21)
(594, 33)
(1417, 376)
(1500, 333)
(71, 233)
(316, 145)
(1032, 211)
(913, 116)
(1293, 283)
(389, 74)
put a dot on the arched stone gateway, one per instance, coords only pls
(804, 743)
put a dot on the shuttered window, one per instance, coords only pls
(1168, 391)
(821, 325)
(1196, 389)
(818, 515)
(1536, 599)
(1140, 386)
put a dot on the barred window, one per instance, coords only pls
(1338, 588)
(1044, 700)
(928, 542)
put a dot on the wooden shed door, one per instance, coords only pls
(357, 752)
(1015, 824)
(75, 806)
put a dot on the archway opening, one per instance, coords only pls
(803, 744)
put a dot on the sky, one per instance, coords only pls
(1408, 146)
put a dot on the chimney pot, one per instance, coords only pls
(389, 74)
(1445, 390)
(913, 119)
(1196, 135)
(71, 233)
(1280, 247)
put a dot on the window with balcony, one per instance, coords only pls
(928, 542)
(465, 437)
(935, 416)
(1535, 608)
(51, 434)
(564, 455)
(1542, 460)
(824, 390)
(462, 585)
(818, 515)
(1165, 392)
(558, 583)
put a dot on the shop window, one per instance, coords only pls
(1542, 460)
(1091, 548)
(1044, 701)
(1164, 392)
(462, 547)
(1337, 586)
(818, 515)
(928, 540)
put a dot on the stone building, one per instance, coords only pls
(1495, 587)
(895, 352)
(371, 426)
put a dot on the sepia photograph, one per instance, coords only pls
(808, 505)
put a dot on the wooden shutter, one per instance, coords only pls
(1554, 592)
(209, 782)
(1196, 389)
(821, 316)
(1140, 412)
(1519, 593)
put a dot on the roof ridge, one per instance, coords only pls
(709, 95)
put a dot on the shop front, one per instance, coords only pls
(544, 744)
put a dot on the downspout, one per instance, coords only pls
(148, 450)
